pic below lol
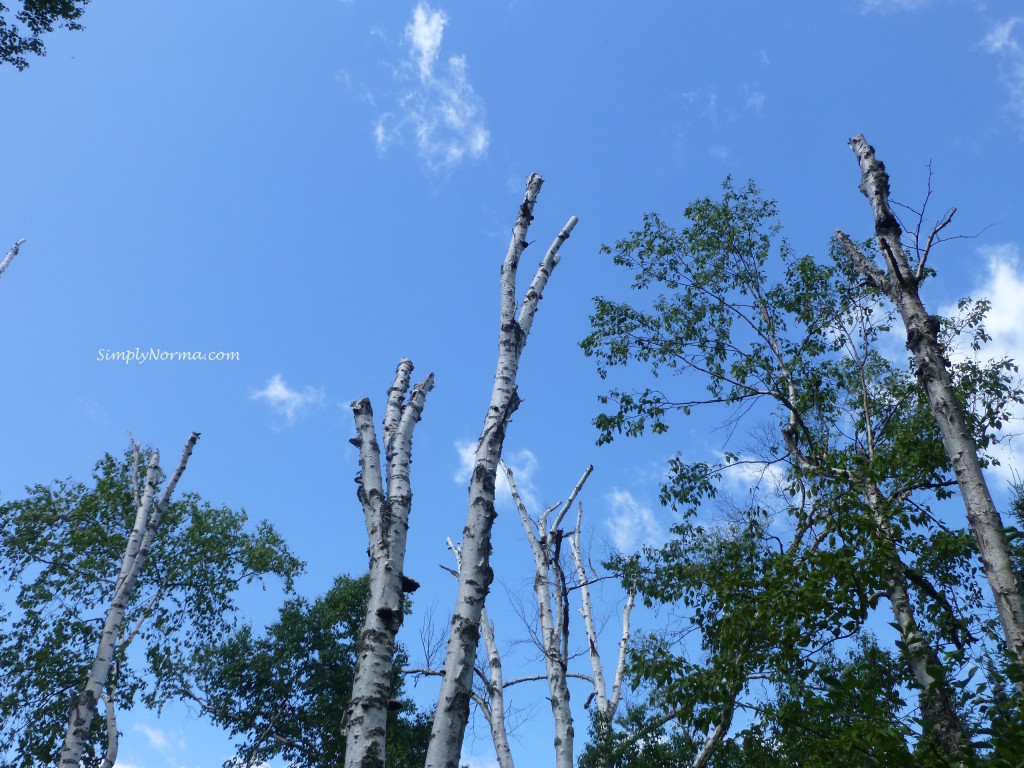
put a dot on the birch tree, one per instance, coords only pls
(475, 575)
(850, 442)
(98, 570)
(147, 523)
(900, 280)
(386, 511)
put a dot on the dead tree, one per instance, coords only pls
(900, 281)
(386, 511)
(475, 576)
(144, 531)
(10, 255)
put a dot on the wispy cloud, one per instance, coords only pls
(439, 105)
(523, 464)
(631, 524)
(892, 6)
(157, 738)
(754, 99)
(287, 401)
(1002, 41)
(1003, 286)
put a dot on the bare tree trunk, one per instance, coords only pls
(606, 705)
(10, 255)
(147, 520)
(901, 282)
(387, 525)
(554, 620)
(492, 705)
(495, 711)
(475, 575)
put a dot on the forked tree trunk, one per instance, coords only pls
(386, 511)
(147, 521)
(900, 282)
(475, 576)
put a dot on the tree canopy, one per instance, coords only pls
(60, 553)
(21, 32)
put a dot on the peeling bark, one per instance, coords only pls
(475, 575)
(386, 512)
(900, 282)
(147, 521)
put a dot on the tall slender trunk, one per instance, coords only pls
(941, 720)
(386, 511)
(147, 520)
(901, 283)
(476, 575)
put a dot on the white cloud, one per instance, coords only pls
(157, 738)
(1003, 286)
(631, 524)
(524, 466)
(424, 35)
(719, 152)
(752, 476)
(755, 99)
(1002, 41)
(439, 105)
(287, 401)
(892, 6)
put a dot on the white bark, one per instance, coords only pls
(110, 757)
(386, 512)
(475, 576)
(900, 282)
(493, 706)
(554, 619)
(10, 255)
(605, 705)
(147, 521)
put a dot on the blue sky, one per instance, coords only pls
(324, 187)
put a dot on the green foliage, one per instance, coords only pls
(855, 457)
(284, 694)
(60, 554)
(21, 34)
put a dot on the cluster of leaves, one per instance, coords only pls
(21, 35)
(284, 694)
(60, 555)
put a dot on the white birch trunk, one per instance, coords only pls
(493, 706)
(495, 711)
(386, 512)
(10, 255)
(475, 576)
(147, 521)
(554, 624)
(900, 283)
(606, 705)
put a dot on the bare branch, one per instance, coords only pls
(10, 255)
